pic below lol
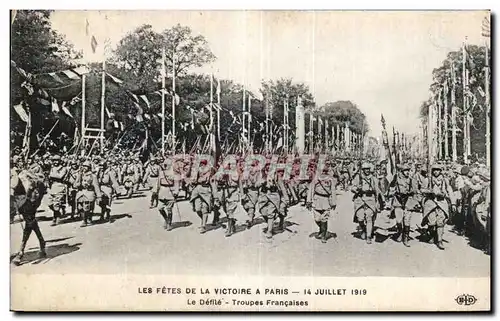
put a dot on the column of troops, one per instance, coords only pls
(451, 194)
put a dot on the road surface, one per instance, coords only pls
(137, 243)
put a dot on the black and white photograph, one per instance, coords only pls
(287, 158)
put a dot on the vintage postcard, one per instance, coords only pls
(250, 160)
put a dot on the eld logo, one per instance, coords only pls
(466, 299)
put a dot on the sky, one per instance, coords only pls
(381, 61)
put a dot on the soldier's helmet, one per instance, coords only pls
(484, 175)
(464, 170)
(404, 167)
(56, 158)
(366, 165)
(86, 164)
(436, 167)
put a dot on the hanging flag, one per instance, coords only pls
(21, 112)
(114, 79)
(44, 101)
(121, 126)
(115, 124)
(93, 43)
(55, 107)
(56, 77)
(218, 87)
(65, 109)
(485, 27)
(107, 112)
(29, 87)
(145, 99)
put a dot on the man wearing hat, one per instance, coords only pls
(322, 199)
(203, 194)
(130, 176)
(88, 192)
(57, 193)
(366, 194)
(70, 181)
(483, 211)
(151, 176)
(273, 200)
(402, 203)
(167, 189)
(436, 205)
(109, 187)
(251, 183)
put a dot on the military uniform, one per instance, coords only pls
(26, 194)
(251, 186)
(230, 195)
(402, 203)
(88, 192)
(273, 200)
(70, 181)
(130, 177)
(167, 189)
(321, 199)
(58, 189)
(108, 182)
(151, 176)
(366, 194)
(202, 197)
(436, 205)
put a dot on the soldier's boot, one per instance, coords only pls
(431, 230)
(250, 220)
(406, 236)
(169, 220)
(165, 218)
(320, 232)
(269, 230)
(369, 230)
(439, 237)
(216, 218)
(281, 224)
(55, 218)
(26, 235)
(38, 233)
(230, 227)
(84, 220)
(204, 220)
(400, 232)
(362, 227)
(324, 235)
(154, 200)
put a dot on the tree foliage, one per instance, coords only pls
(475, 64)
(341, 112)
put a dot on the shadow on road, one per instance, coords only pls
(176, 225)
(53, 251)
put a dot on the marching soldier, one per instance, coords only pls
(26, 191)
(231, 190)
(130, 177)
(150, 177)
(344, 175)
(88, 192)
(70, 181)
(436, 205)
(366, 194)
(167, 190)
(202, 196)
(251, 185)
(400, 191)
(109, 187)
(273, 201)
(321, 199)
(57, 192)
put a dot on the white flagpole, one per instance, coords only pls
(211, 111)
(249, 117)
(163, 72)
(218, 109)
(173, 104)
